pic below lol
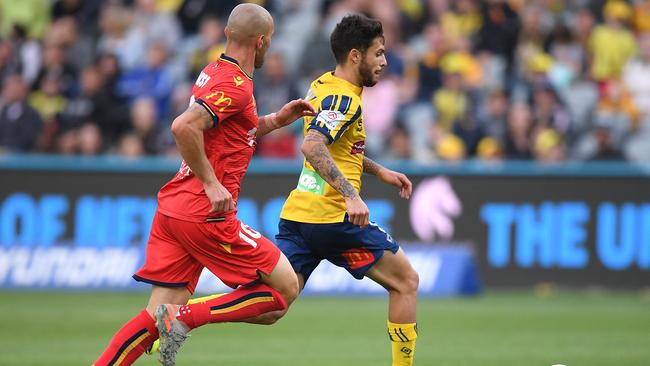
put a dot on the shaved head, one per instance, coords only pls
(247, 22)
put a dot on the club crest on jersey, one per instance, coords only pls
(238, 80)
(202, 79)
(330, 119)
(358, 147)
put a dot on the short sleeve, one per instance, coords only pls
(223, 100)
(335, 114)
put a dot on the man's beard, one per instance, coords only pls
(366, 74)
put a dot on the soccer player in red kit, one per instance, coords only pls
(195, 226)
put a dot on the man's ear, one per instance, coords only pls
(355, 56)
(260, 42)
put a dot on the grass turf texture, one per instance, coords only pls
(499, 328)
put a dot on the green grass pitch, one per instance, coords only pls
(498, 328)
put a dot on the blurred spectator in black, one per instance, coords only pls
(109, 68)
(470, 131)
(399, 145)
(85, 12)
(605, 147)
(94, 103)
(89, 139)
(548, 110)
(130, 146)
(200, 49)
(192, 11)
(493, 115)
(55, 67)
(428, 74)
(145, 124)
(273, 86)
(78, 47)
(154, 79)
(500, 30)
(518, 137)
(20, 124)
(49, 101)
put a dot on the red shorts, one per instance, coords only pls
(178, 251)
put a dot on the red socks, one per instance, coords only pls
(130, 341)
(243, 303)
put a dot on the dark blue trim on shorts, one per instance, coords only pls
(158, 283)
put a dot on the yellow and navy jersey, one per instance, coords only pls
(339, 118)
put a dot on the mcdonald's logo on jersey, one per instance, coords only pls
(222, 102)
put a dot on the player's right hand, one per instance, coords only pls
(358, 213)
(220, 198)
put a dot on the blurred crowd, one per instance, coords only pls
(547, 80)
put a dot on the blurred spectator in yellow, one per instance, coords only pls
(460, 58)
(462, 20)
(641, 18)
(636, 76)
(33, 15)
(617, 100)
(549, 146)
(48, 99)
(612, 44)
(450, 101)
(20, 124)
(450, 148)
(489, 149)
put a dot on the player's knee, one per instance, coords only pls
(272, 317)
(409, 282)
(413, 281)
(290, 291)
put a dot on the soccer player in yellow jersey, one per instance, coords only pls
(324, 217)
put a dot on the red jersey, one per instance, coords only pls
(226, 92)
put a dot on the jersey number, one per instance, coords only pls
(249, 235)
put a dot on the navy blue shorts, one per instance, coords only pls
(343, 244)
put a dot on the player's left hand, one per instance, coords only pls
(398, 180)
(293, 110)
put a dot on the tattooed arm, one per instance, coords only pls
(388, 176)
(315, 150)
(371, 167)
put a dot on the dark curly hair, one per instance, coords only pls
(354, 32)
